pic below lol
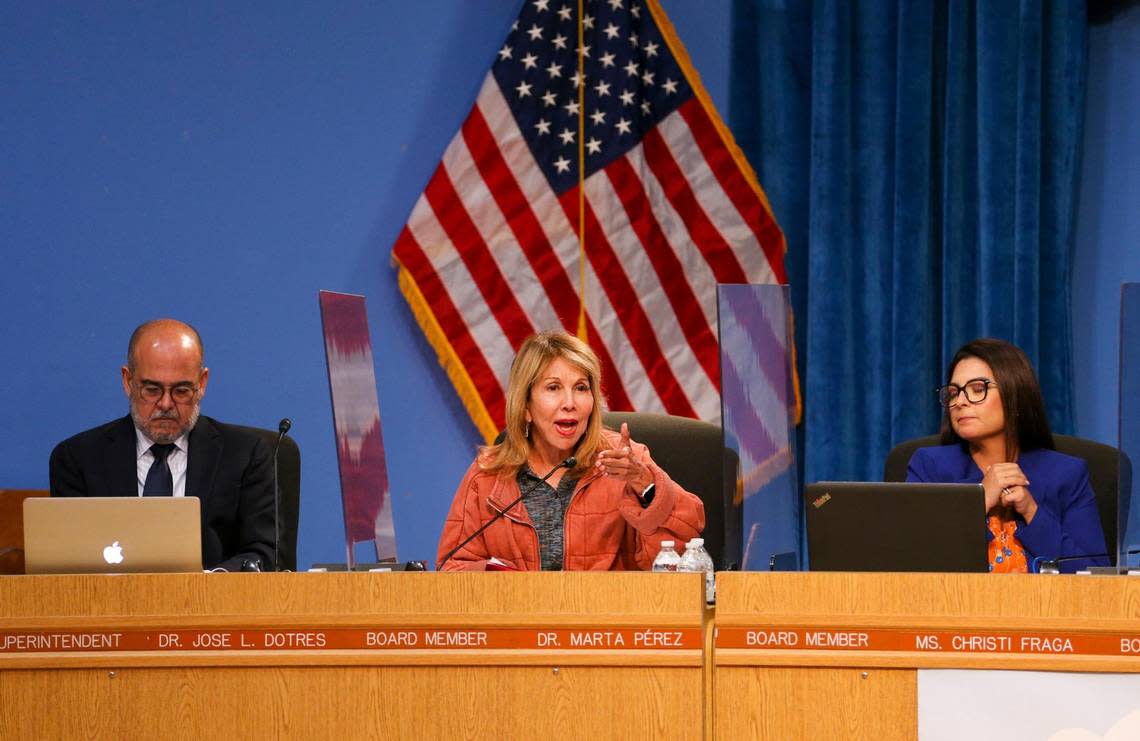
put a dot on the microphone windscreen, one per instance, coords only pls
(570, 462)
(284, 425)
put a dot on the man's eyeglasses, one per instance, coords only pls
(182, 393)
(975, 390)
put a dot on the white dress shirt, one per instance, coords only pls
(176, 460)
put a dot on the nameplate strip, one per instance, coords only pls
(1041, 643)
(353, 639)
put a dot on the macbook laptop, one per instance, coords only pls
(861, 526)
(112, 535)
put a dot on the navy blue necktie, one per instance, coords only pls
(159, 482)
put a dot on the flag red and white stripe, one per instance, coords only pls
(493, 251)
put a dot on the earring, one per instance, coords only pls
(527, 433)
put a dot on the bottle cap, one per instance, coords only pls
(667, 544)
(696, 543)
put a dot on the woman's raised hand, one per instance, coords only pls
(621, 464)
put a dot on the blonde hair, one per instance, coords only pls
(535, 354)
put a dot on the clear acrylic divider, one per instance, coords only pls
(758, 407)
(1128, 516)
(365, 495)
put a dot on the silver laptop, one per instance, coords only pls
(875, 526)
(112, 535)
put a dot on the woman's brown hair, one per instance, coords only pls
(535, 354)
(1026, 424)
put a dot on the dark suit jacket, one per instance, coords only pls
(230, 470)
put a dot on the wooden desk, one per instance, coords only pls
(352, 655)
(835, 656)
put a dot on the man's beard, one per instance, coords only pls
(163, 438)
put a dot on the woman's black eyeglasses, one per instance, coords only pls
(975, 390)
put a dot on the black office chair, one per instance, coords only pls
(693, 454)
(12, 528)
(1104, 463)
(289, 487)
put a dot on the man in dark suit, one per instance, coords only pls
(166, 448)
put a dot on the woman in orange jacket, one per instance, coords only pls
(604, 504)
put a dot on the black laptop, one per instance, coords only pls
(875, 526)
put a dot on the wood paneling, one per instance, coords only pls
(473, 693)
(809, 693)
(448, 598)
(595, 693)
(830, 704)
(1003, 601)
(360, 702)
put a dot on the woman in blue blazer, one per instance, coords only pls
(1039, 503)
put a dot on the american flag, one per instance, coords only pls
(592, 188)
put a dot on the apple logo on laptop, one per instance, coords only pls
(113, 553)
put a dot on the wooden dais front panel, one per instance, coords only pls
(351, 655)
(833, 655)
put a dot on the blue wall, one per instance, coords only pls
(1108, 221)
(222, 162)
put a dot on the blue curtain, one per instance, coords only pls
(922, 158)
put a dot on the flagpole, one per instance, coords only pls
(581, 174)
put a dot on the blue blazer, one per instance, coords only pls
(1067, 522)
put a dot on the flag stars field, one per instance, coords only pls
(519, 230)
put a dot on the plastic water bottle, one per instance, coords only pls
(696, 558)
(667, 559)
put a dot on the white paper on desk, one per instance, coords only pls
(955, 704)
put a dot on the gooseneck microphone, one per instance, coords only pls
(1045, 565)
(282, 428)
(568, 463)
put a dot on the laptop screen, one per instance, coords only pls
(874, 526)
(112, 535)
